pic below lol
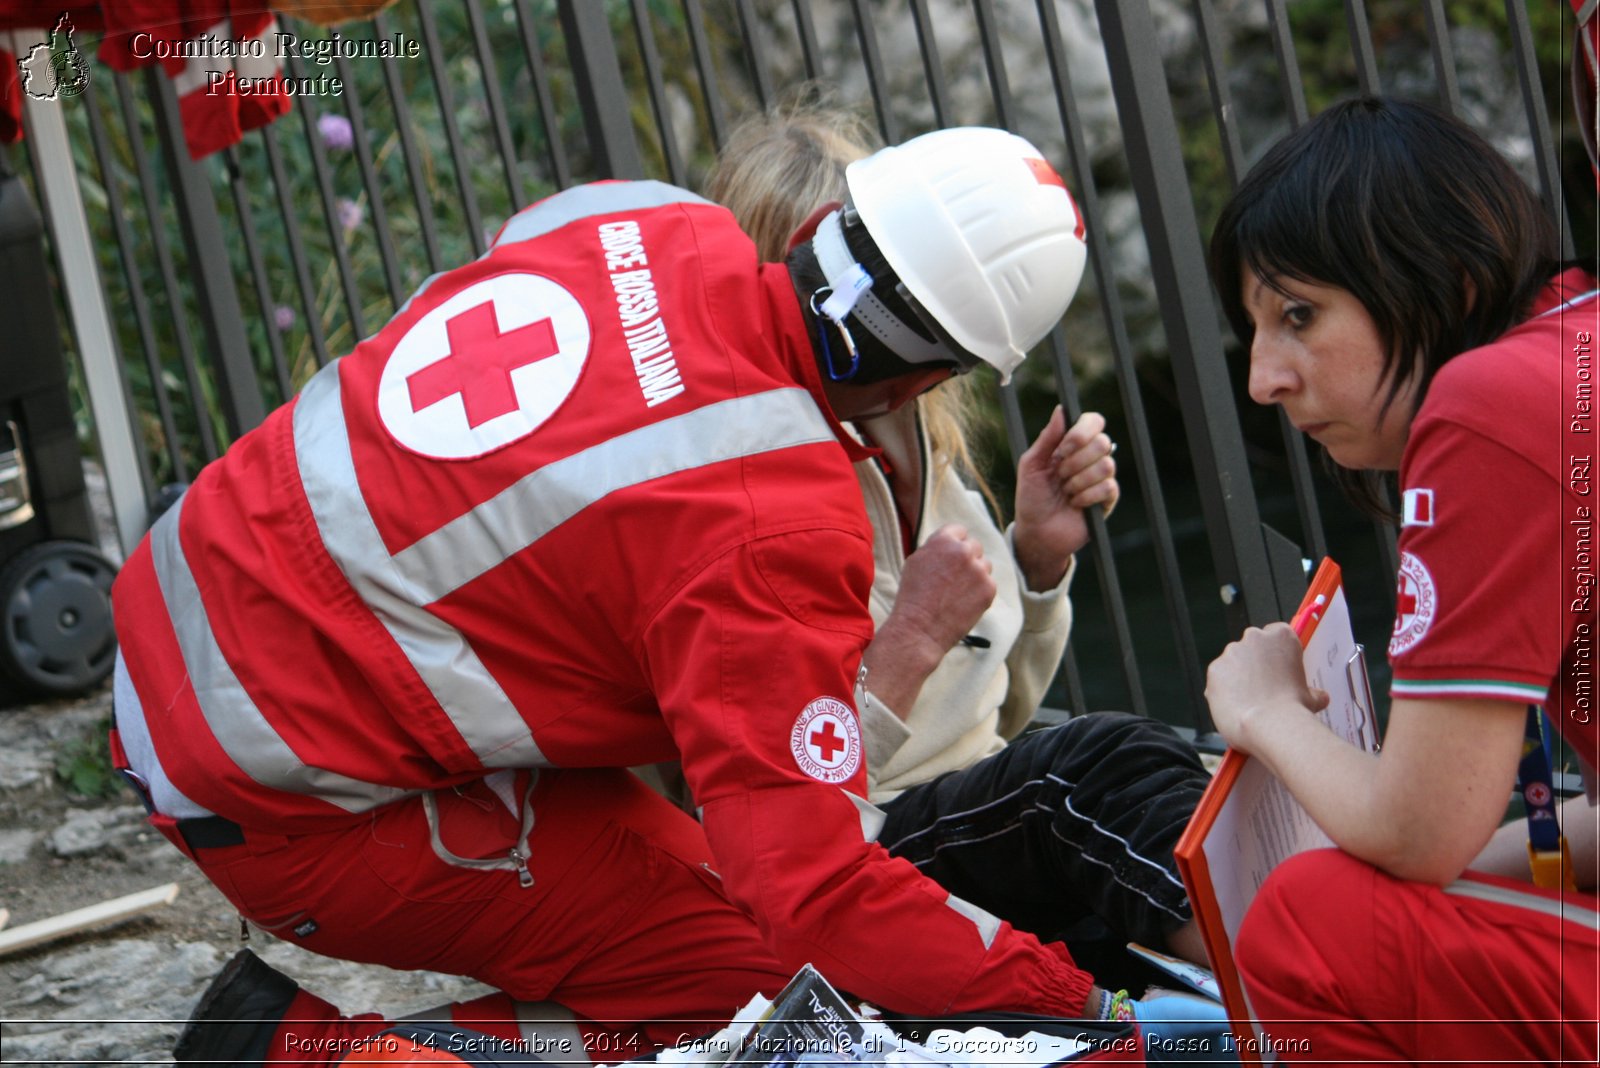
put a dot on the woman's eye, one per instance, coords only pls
(1297, 315)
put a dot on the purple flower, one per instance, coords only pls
(350, 213)
(283, 317)
(337, 133)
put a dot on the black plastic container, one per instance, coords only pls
(56, 636)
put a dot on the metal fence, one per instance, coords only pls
(200, 295)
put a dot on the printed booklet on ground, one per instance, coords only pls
(1247, 823)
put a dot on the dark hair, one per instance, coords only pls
(1409, 210)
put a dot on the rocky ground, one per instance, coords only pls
(119, 994)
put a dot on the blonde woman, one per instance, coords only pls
(1061, 831)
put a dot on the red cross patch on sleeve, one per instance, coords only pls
(1416, 601)
(826, 740)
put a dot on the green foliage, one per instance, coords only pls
(300, 210)
(300, 214)
(83, 765)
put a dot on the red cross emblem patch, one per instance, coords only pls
(485, 367)
(1415, 602)
(826, 740)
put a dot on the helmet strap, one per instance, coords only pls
(825, 295)
(849, 295)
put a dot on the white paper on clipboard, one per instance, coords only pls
(1261, 824)
(1248, 823)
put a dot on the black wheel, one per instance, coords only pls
(55, 610)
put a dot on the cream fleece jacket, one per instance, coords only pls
(976, 699)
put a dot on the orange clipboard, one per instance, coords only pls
(1325, 599)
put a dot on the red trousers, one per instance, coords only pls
(1345, 964)
(625, 920)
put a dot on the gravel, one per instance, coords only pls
(119, 994)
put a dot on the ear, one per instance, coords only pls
(804, 231)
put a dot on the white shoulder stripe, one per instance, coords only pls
(536, 504)
(987, 924)
(439, 653)
(238, 725)
(1584, 915)
(399, 588)
(585, 201)
(143, 760)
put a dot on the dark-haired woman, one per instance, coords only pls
(1395, 283)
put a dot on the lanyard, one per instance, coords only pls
(1547, 849)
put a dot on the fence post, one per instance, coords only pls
(238, 391)
(597, 77)
(68, 226)
(1188, 313)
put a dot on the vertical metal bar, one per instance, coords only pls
(539, 72)
(1127, 374)
(1301, 477)
(806, 29)
(1233, 156)
(1304, 483)
(369, 180)
(169, 281)
(258, 275)
(175, 301)
(408, 150)
(238, 392)
(447, 116)
(91, 321)
(1105, 562)
(938, 91)
(1388, 550)
(658, 95)
(1355, 14)
(1444, 59)
(497, 108)
(1077, 700)
(716, 115)
(1205, 17)
(1288, 65)
(337, 234)
(297, 252)
(601, 93)
(1544, 157)
(877, 80)
(1211, 420)
(1011, 412)
(136, 295)
(754, 55)
(995, 62)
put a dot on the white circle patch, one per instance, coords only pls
(484, 368)
(826, 741)
(1416, 602)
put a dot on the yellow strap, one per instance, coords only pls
(1552, 869)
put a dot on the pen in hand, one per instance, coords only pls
(975, 641)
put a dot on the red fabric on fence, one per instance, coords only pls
(219, 96)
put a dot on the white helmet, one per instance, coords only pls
(981, 232)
